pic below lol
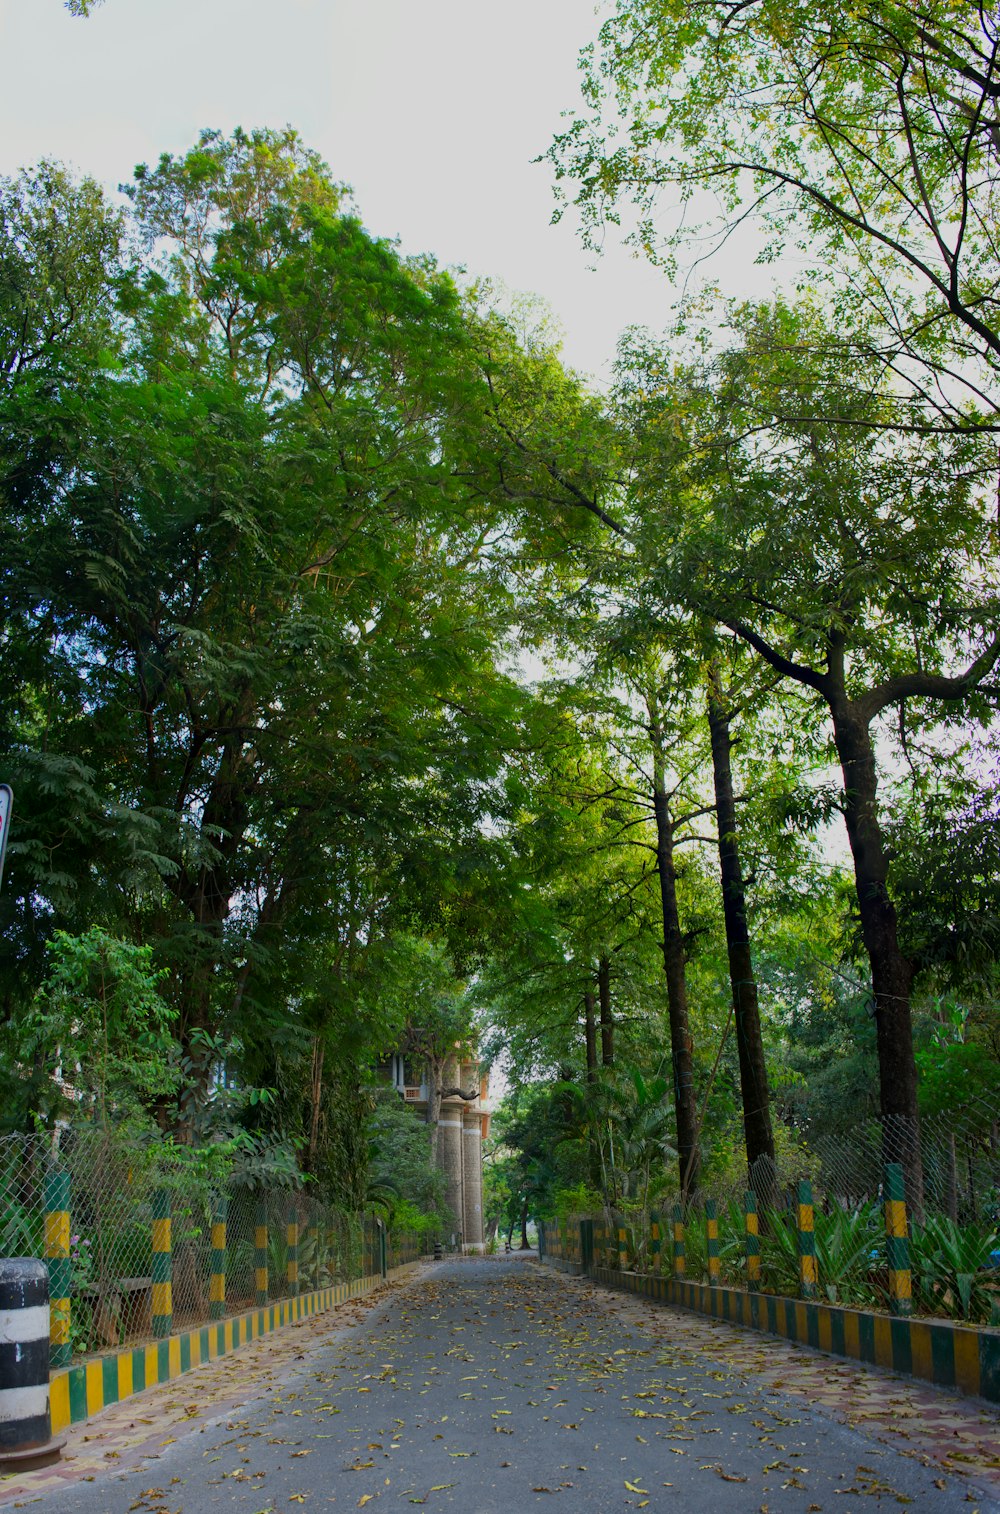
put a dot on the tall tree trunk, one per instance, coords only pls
(590, 1031)
(746, 1011)
(524, 1227)
(316, 1096)
(892, 973)
(681, 1050)
(607, 1018)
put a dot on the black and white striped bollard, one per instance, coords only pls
(25, 1420)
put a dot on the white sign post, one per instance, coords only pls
(6, 810)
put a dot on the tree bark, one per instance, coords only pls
(607, 1018)
(590, 1031)
(681, 1050)
(316, 1097)
(892, 973)
(754, 1088)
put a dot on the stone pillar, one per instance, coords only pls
(450, 1161)
(472, 1144)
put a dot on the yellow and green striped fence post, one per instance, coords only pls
(292, 1235)
(622, 1245)
(217, 1285)
(57, 1190)
(805, 1226)
(163, 1293)
(260, 1255)
(897, 1241)
(655, 1240)
(313, 1259)
(752, 1240)
(712, 1241)
(679, 1262)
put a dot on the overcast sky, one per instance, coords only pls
(431, 109)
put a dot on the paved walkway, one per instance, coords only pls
(497, 1385)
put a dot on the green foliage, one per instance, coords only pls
(578, 1199)
(403, 1178)
(854, 136)
(952, 1268)
(100, 1011)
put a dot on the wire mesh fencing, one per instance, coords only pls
(145, 1239)
(888, 1216)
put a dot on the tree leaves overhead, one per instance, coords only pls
(865, 137)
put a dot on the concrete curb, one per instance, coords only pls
(80, 1392)
(949, 1356)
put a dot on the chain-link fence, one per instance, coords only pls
(143, 1239)
(821, 1222)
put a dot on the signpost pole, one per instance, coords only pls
(6, 810)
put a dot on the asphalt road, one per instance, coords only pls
(499, 1385)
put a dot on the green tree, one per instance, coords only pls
(863, 136)
(101, 1022)
(844, 562)
(255, 631)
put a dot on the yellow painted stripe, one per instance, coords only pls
(293, 1272)
(920, 1350)
(125, 1381)
(806, 1220)
(152, 1366)
(59, 1402)
(174, 1356)
(800, 1321)
(752, 1224)
(260, 1237)
(195, 1348)
(292, 1234)
(95, 1387)
(219, 1236)
(161, 1235)
(810, 1272)
(217, 1288)
(852, 1338)
(228, 1335)
(59, 1322)
(901, 1284)
(163, 1298)
(712, 1230)
(57, 1233)
(260, 1279)
(825, 1329)
(895, 1217)
(967, 1360)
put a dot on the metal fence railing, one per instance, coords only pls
(143, 1239)
(883, 1216)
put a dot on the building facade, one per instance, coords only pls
(462, 1127)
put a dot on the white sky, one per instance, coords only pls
(431, 109)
